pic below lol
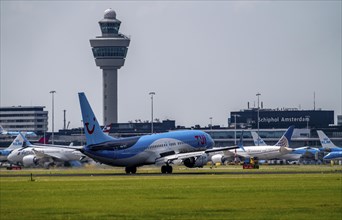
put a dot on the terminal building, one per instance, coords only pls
(24, 118)
(281, 118)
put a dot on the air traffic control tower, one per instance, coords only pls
(110, 51)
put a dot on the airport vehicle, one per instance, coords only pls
(251, 163)
(191, 147)
(326, 143)
(43, 155)
(335, 155)
(268, 152)
(15, 133)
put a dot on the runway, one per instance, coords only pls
(142, 174)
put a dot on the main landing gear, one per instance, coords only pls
(131, 170)
(166, 169)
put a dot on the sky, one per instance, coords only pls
(203, 59)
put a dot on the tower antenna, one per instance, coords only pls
(314, 100)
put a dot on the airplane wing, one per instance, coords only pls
(182, 156)
(221, 149)
(56, 155)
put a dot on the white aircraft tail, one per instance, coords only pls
(325, 141)
(257, 139)
(18, 142)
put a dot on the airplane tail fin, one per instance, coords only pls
(26, 143)
(17, 143)
(240, 144)
(285, 140)
(92, 129)
(1, 129)
(325, 141)
(257, 139)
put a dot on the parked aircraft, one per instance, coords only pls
(189, 146)
(327, 145)
(46, 155)
(268, 152)
(18, 143)
(15, 133)
(335, 155)
(295, 154)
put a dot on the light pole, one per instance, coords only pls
(53, 114)
(235, 115)
(258, 94)
(307, 123)
(152, 94)
(211, 123)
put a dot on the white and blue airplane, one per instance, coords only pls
(326, 143)
(295, 154)
(32, 155)
(268, 152)
(262, 151)
(191, 147)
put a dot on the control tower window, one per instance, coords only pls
(110, 28)
(109, 52)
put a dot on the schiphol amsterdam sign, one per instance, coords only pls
(283, 119)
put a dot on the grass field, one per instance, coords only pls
(203, 196)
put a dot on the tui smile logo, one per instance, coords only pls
(90, 131)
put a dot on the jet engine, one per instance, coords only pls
(217, 158)
(30, 160)
(199, 161)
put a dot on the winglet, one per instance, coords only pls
(92, 129)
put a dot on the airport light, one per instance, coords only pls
(53, 115)
(152, 94)
(258, 94)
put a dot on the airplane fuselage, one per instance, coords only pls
(261, 152)
(17, 155)
(145, 150)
